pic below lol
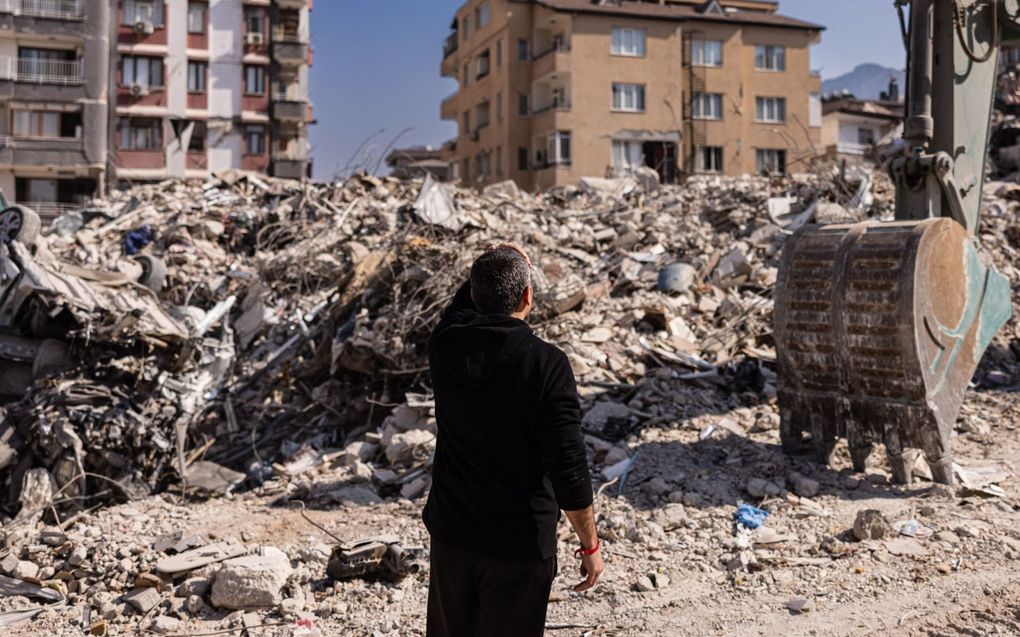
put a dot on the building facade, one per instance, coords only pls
(854, 128)
(96, 92)
(554, 90)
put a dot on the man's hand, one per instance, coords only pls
(591, 571)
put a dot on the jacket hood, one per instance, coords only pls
(472, 351)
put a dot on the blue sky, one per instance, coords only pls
(376, 75)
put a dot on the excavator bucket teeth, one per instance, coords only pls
(879, 328)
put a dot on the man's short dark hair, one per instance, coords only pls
(498, 280)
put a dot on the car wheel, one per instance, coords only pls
(19, 223)
(153, 272)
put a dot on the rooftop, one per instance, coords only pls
(683, 11)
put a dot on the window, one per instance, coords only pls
(770, 110)
(255, 80)
(629, 42)
(141, 134)
(708, 159)
(499, 160)
(196, 77)
(499, 107)
(482, 165)
(482, 15)
(136, 11)
(706, 106)
(467, 73)
(482, 115)
(467, 122)
(629, 97)
(254, 20)
(523, 50)
(557, 149)
(770, 58)
(198, 134)
(31, 123)
(467, 27)
(143, 71)
(499, 52)
(865, 136)
(36, 190)
(522, 104)
(771, 161)
(706, 53)
(196, 17)
(482, 65)
(627, 156)
(255, 140)
(522, 158)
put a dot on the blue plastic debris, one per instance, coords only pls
(137, 239)
(749, 516)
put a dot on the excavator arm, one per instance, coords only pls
(880, 326)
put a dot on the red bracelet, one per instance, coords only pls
(583, 552)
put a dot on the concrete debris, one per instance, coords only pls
(252, 581)
(871, 525)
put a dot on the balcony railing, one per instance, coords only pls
(557, 46)
(49, 210)
(55, 9)
(555, 106)
(35, 71)
(288, 36)
(450, 45)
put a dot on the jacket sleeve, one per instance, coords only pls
(561, 446)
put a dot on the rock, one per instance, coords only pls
(871, 525)
(52, 536)
(360, 451)
(414, 489)
(149, 580)
(360, 472)
(946, 536)
(355, 494)
(657, 486)
(409, 447)
(143, 599)
(9, 563)
(905, 546)
(252, 581)
(615, 455)
(761, 488)
(193, 586)
(78, 555)
(644, 584)
(803, 486)
(798, 604)
(194, 604)
(99, 627)
(165, 625)
(677, 278)
(602, 413)
(25, 570)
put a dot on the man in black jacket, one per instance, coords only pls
(509, 457)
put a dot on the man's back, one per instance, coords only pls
(509, 453)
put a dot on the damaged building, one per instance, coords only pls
(98, 92)
(553, 90)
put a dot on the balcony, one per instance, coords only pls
(562, 107)
(451, 44)
(35, 71)
(48, 9)
(292, 4)
(289, 48)
(550, 62)
(293, 111)
(448, 109)
(287, 168)
(35, 151)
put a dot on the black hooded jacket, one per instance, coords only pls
(509, 453)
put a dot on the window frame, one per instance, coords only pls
(698, 106)
(523, 50)
(204, 76)
(761, 110)
(204, 8)
(204, 137)
(780, 156)
(767, 60)
(618, 42)
(482, 11)
(699, 47)
(260, 77)
(158, 13)
(622, 89)
(128, 133)
(871, 138)
(153, 62)
(37, 123)
(555, 142)
(261, 134)
(523, 159)
(701, 153)
(250, 15)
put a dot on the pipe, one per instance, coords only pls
(920, 126)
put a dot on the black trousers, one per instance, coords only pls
(475, 596)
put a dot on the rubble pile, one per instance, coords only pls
(307, 309)
(299, 373)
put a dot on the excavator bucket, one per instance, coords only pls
(879, 328)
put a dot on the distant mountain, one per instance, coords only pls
(866, 81)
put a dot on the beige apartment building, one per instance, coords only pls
(554, 90)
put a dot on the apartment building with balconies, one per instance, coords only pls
(208, 85)
(554, 90)
(53, 110)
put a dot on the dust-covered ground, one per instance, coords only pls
(673, 519)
